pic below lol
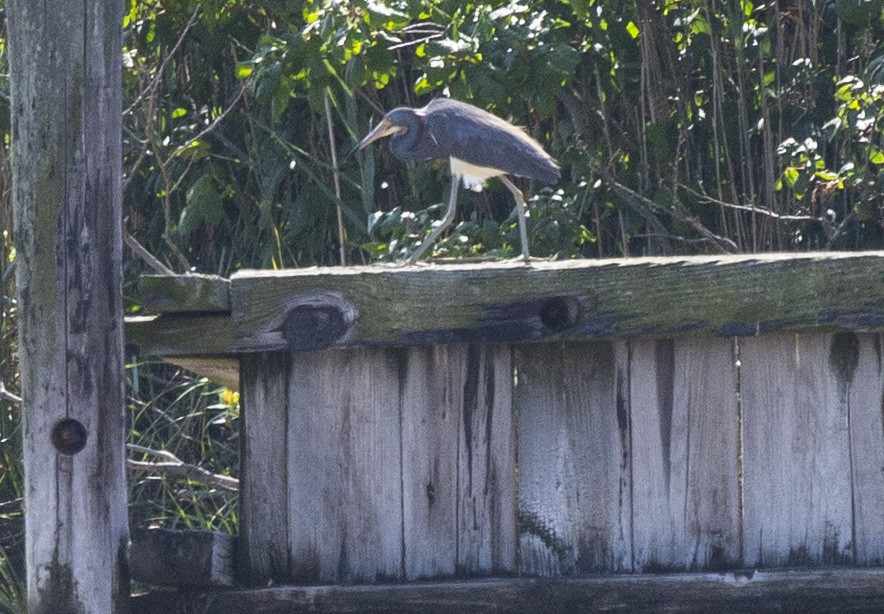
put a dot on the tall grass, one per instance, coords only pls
(197, 422)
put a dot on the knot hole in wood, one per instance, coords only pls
(312, 326)
(69, 436)
(559, 312)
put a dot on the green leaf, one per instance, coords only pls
(632, 29)
(244, 70)
(791, 176)
(203, 206)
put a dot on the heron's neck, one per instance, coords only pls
(403, 144)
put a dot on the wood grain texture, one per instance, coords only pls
(264, 519)
(432, 413)
(458, 451)
(66, 195)
(345, 466)
(487, 533)
(683, 402)
(574, 299)
(574, 487)
(192, 293)
(797, 486)
(181, 335)
(727, 593)
(865, 398)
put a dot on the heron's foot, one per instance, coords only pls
(413, 258)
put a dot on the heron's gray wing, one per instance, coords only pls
(470, 134)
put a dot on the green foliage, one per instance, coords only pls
(670, 99)
(198, 423)
(554, 228)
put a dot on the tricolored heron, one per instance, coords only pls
(479, 145)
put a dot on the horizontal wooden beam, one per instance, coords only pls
(836, 590)
(303, 309)
(192, 293)
(575, 299)
(181, 335)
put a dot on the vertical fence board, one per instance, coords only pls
(264, 519)
(574, 496)
(487, 534)
(431, 416)
(796, 460)
(684, 429)
(866, 400)
(651, 398)
(345, 496)
(458, 450)
(64, 59)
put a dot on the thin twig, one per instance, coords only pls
(175, 467)
(145, 255)
(214, 124)
(337, 178)
(133, 168)
(647, 208)
(159, 73)
(417, 41)
(9, 396)
(766, 212)
(836, 234)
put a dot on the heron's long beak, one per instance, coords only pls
(385, 128)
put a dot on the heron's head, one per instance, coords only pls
(395, 122)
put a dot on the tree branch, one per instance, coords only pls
(145, 255)
(175, 467)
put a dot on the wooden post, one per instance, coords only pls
(66, 122)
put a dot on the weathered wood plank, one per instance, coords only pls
(486, 532)
(574, 299)
(796, 476)
(184, 293)
(344, 465)
(264, 519)
(181, 335)
(432, 414)
(574, 488)
(458, 449)
(66, 121)
(181, 558)
(866, 406)
(683, 402)
(728, 593)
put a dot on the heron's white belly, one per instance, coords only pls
(473, 176)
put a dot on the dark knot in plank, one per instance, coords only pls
(559, 312)
(530, 320)
(318, 320)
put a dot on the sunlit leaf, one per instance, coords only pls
(632, 29)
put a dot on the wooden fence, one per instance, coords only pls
(551, 420)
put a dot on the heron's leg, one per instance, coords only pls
(443, 224)
(522, 210)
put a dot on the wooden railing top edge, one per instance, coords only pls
(511, 301)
